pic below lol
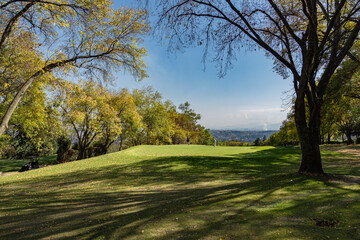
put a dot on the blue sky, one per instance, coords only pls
(250, 96)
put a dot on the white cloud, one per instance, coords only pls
(258, 118)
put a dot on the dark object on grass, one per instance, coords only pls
(326, 222)
(30, 165)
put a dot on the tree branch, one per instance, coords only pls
(11, 24)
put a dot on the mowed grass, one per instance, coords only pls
(11, 165)
(184, 192)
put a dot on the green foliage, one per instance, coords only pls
(179, 136)
(18, 61)
(7, 151)
(205, 137)
(34, 130)
(71, 39)
(34, 123)
(233, 143)
(66, 38)
(186, 125)
(87, 108)
(340, 114)
(64, 145)
(287, 134)
(257, 142)
(156, 125)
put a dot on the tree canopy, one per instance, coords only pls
(67, 36)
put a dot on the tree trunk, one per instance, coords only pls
(82, 153)
(106, 146)
(348, 136)
(329, 138)
(121, 143)
(6, 118)
(309, 136)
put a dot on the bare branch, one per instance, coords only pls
(286, 23)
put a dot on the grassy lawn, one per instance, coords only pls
(14, 165)
(185, 192)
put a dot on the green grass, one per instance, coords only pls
(13, 165)
(184, 192)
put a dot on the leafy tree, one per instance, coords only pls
(34, 124)
(339, 112)
(349, 120)
(68, 36)
(86, 108)
(179, 135)
(257, 142)
(205, 137)
(185, 124)
(120, 120)
(189, 113)
(188, 118)
(307, 39)
(287, 134)
(156, 125)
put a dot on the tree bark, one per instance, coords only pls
(309, 136)
(121, 144)
(82, 153)
(106, 146)
(348, 136)
(6, 118)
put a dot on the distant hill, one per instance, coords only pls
(242, 136)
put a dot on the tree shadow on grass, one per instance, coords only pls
(245, 196)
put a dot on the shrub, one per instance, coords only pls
(7, 152)
(72, 155)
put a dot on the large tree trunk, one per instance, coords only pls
(309, 136)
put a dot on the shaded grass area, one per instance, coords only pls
(13, 165)
(184, 192)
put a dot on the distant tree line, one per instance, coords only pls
(241, 136)
(85, 119)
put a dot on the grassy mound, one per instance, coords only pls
(184, 192)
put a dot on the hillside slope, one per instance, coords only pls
(241, 136)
